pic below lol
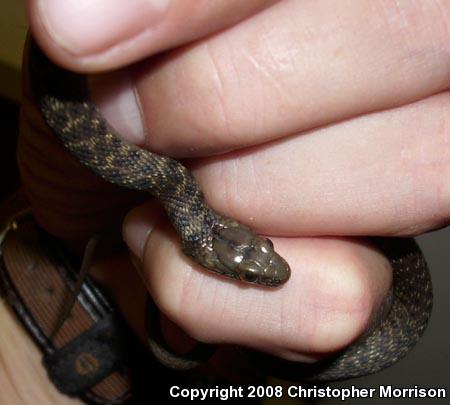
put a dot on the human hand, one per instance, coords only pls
(318, 126)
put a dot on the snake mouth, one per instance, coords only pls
(274, 283)
(252, 277)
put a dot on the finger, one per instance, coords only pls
(342, 288)
(103, 34)
(381, 174)
(295, 66)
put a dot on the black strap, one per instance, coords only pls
(87, 359)
(91, 355)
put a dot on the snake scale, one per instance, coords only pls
(222, 244)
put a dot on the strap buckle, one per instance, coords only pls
(12, 224)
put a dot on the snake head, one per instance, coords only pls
(240, 253)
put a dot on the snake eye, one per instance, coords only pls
(249, 276)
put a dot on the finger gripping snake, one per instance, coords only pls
(221, 244)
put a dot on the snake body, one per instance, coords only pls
(222, 244)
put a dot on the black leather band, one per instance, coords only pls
(93, 350)
(87, 359)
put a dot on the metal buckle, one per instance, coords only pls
(12, 224)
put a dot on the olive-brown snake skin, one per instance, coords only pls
(219, 243)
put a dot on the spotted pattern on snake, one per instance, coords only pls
(216, 242)
(222, 244)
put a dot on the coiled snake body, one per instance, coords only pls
(222, 244)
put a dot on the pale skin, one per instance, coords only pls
(323, 118)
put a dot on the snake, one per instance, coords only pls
(222, 244)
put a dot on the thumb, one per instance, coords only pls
(94, 35)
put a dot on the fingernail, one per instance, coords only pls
(137, 228)
(84, 27)
(136, 262)
(115, 95)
